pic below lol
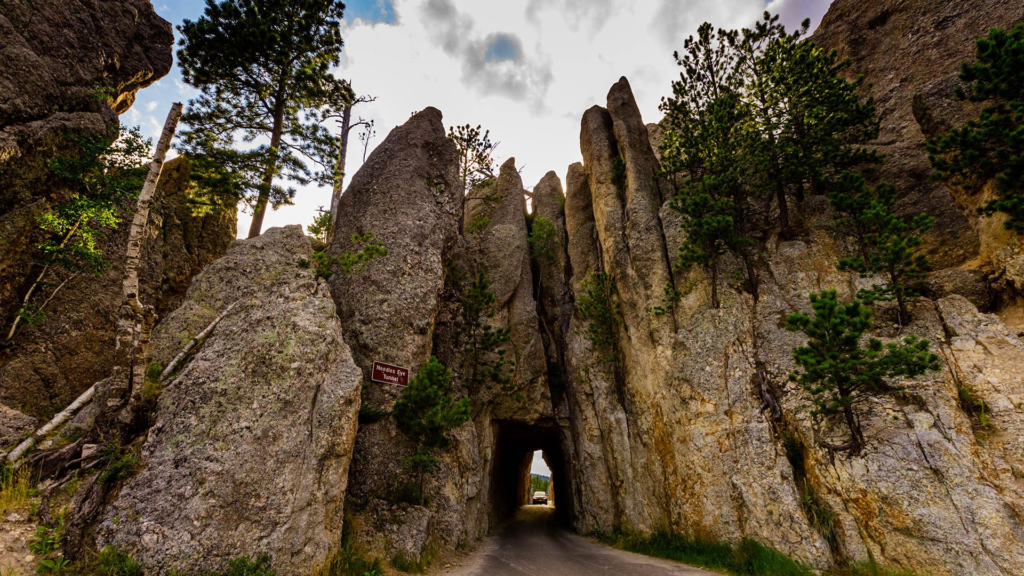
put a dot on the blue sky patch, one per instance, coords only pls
(373, 11)
(503, 47)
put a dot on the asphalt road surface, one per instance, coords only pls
(533, 544)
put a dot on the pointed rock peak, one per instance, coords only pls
(509, 164)
(620, 97)
(429, 113)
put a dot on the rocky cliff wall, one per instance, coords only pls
(253, 437)
(72, 67)
(68, 67)
(675, 428)
(46, 366)
(910, 53)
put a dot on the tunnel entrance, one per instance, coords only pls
(511, 485)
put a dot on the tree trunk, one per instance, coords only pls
(856, 435)
(268, 175)
(339, 172)
(786, 231)
(135, 320)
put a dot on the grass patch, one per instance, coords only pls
(347, 561)
(247, 567)
(121, 462)
(15, 488)
(866, 569)
(973, 405)
(403, 563)
(113, 562)
(749, 558)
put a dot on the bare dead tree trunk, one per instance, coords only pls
(135, 321)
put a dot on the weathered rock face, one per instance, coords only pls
(408, 306)
(68, 67)
(253, 437)
(673, 431)
(47, 366)
(910, 53)
(14, 426)
(406, 194)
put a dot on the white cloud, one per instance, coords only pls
(150, 106)
(558, 58)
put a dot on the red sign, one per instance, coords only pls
(390, 374)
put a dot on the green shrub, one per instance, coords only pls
(112, 562)
(478, 224)
(543, 239)
(596, 308)
(749, 558)
(121, 462)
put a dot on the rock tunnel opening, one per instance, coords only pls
(511, 485)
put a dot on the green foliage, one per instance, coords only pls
(366, 249)
(839, 372)
(619, 175)
(538, 484)
(543, 239)
(597, 309)
(112, 562)
(15, 487)
(480, 221)
(370, 415)
(991, 146)
(485, 346)
(476, 155)
(347, 561)
(105, 176)
(403, 563)
(973, 405)
(120, 462)
(757, 113)
(321, 226)
(263, 70)
(889, 245)
(247, 567)
(428, 414)
(55, 565)
(749, 558)
(668, 301)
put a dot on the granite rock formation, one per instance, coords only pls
(252, 441)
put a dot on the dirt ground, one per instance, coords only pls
(16, 531)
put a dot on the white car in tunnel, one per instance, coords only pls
(540, 498)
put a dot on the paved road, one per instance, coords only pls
(532, 544)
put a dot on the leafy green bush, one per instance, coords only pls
(597, 310)
(350, 261)
(543, 239)
(112, 562)
(479, 222)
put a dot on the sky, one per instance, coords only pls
(539, 466)
(526, 70)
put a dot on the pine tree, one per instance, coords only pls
(839, 371)
(807, 123)
(703, 143)
(428, 414)
(888, 244)
(261, 65)
(757, 113)
(991, 146)
(476, 155)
